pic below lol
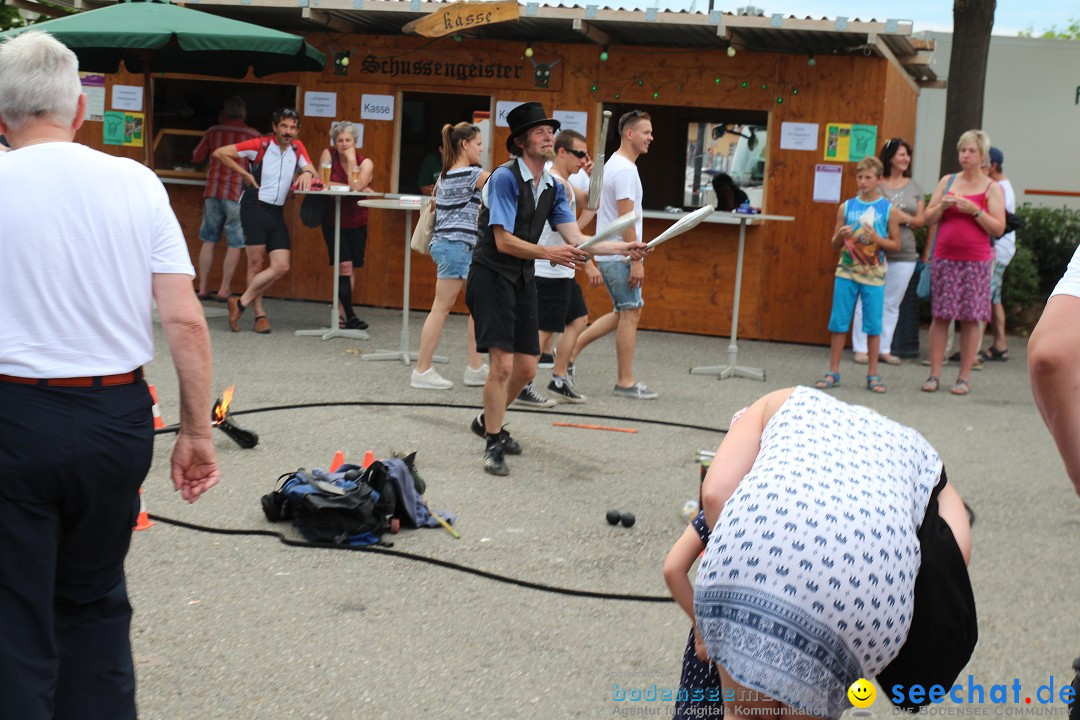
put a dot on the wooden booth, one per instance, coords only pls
(768, 100)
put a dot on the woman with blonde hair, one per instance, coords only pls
(969, 209)
(457, 210)
(348, 166)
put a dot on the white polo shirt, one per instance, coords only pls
(83, 234)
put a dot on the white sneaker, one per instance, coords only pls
(475, 377)
(430, 380)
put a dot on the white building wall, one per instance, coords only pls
(1031, 112)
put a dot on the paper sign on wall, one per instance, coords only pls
(123, 128)
(127, 97)
(502, 107)
(863, 142)
(838, 141)
(798, 136)
(320, 104)
(377, 107)
(573, 120)
(93, 86)
(827, 183)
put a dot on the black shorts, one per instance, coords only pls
(504, 312)
(353, 244)
(264, 224)
(559, 302)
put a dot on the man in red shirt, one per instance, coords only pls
(221, 206)
(272, 162)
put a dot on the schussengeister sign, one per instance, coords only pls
(461, 17)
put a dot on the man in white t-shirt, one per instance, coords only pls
(1004, 249)
(622, 194)
(83, 266)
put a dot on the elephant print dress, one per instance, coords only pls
(808, 579)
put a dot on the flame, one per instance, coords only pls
(221, 408)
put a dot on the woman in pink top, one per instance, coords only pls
(970, 209)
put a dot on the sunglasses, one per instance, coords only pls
(579, 154)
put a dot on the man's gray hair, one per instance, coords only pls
(235, 108)
(39, 80)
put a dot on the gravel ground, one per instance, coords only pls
(231, 626)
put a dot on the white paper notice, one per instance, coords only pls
(376, 107)
(95, 103)
(502, 107)
(320, 104)
(573, 120)
(798, 136)
(827, 183)
(127, 97)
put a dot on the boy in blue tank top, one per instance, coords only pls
(865, 229)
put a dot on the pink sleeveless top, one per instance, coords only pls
(961, 238)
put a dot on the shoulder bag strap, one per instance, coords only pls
(937, 228)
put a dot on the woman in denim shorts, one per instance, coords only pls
(457, 209)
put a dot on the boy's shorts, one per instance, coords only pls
(616, 274)
(845, 293)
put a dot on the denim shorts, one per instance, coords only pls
(616, 275)
(453, 259)
(221, 213)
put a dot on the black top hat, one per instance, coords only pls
(524, 117)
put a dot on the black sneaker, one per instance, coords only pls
(509, 444)
(564, 392)
(529, 397)
(355, 323)
(494, 464)
(547, 361)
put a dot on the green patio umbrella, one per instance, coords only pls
(157, 37)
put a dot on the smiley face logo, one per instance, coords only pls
(861, 693)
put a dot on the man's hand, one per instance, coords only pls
(592, 273)
(194, 465)
(637, 250)
(588, 166)
(304, 181)
(566, 255)
(637, 274)
(250, 180)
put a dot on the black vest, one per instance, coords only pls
(528, 225)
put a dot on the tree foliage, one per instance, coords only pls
(1069, 32)
(10, 18)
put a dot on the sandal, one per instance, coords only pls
(202, 296)
(831, 380)
(992, 354)
(890, 359)
(962, 387)
(932, 384)
(874, 384)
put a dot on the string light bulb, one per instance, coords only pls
(457, 37)
(811, 61)
(730, 51)
(604, 54)
(528, 50)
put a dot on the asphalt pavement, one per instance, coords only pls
(233, 626)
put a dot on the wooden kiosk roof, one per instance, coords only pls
(599, 24)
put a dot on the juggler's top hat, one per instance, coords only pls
(525, 117)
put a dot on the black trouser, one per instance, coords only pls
(71, 463)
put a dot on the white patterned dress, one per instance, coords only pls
(807, 583)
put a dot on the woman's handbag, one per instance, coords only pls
(425, 227)
(922, 290)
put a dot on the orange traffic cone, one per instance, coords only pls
(143, 522)
(158, 421)
(338, 461)
(369, 457)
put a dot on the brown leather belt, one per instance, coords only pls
(99, 381)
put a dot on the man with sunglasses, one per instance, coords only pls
(622, 194)
(276, 159)
(560, 302)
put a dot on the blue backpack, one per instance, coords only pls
(340, 507)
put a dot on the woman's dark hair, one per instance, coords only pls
(889, 149)
(452, 137)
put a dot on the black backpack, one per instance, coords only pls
(341, 507)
